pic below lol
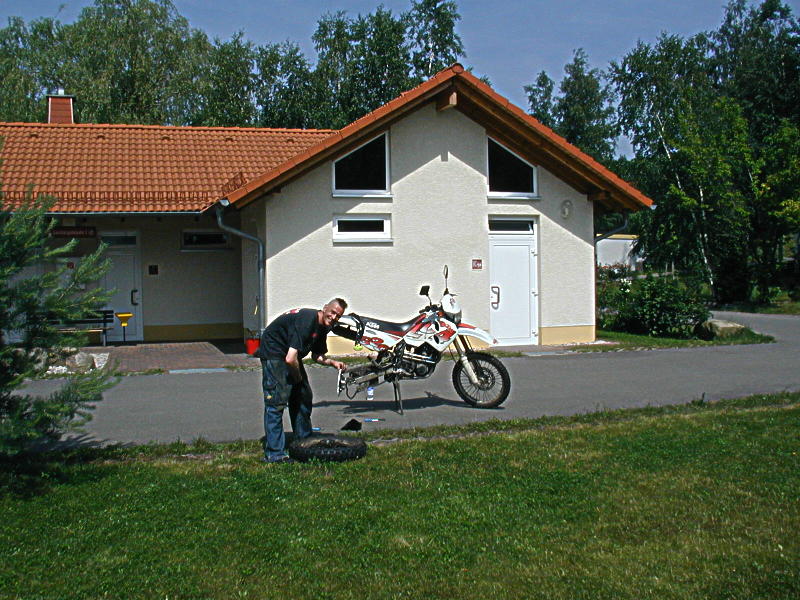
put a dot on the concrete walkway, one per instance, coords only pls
(224, 405)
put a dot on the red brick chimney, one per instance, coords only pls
(59, 108)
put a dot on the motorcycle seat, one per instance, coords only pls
(389, 326)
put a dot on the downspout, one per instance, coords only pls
(220, 206)
(615, 231)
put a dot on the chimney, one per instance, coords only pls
(59, 108)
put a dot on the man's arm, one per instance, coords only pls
(293, 362)
(328, 362)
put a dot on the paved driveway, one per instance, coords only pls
(227, 406)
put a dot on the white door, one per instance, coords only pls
(125, 277)
(514, 291)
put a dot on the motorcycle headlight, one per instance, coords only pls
(454, 317)
(451, 308)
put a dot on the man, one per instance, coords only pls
(284, 343)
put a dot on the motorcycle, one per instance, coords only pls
(412, 350)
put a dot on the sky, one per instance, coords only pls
(508, 41)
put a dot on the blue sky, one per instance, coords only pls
(509, 41)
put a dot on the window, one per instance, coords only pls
(202, 240)
(509, 175)
(362, 228)
(364, 171)
(118, 239)
(511, 225)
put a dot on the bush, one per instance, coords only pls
(28, 305)
(655, 306)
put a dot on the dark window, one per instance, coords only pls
(507, 173)
(363, 169)
(204, 240)
(361, 225)
(118, 240)
(510, 226)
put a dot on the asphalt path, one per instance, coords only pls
(226, 406)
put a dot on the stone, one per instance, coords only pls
(80, 362)
(717, 328)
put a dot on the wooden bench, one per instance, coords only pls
(99, 322)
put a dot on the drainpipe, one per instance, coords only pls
(223, 202)
(608, 234)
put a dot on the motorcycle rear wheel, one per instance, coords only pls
(494, 381)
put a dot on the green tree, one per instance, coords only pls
(540, 100)
(286, 91)
(333, 69)
(226, 92)
(21, 93)
(132, 61)
(756, 60)
(362, 63)
(381, 57)
(435, 44)
(714, 145)
(583, 112)
(27, 304)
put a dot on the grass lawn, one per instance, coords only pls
(631, 341)
(698, 501)
(782, 305)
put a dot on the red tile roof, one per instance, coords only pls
(136, 168)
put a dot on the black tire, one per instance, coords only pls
(495, 381)
(328, 448)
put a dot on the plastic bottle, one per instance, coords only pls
(370, 393)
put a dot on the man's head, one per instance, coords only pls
(331, 312)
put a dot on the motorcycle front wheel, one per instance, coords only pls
(494, 382)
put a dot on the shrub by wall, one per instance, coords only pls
(656, 306)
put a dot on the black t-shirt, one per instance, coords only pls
(297, 329)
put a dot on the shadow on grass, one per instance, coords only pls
(37, 471)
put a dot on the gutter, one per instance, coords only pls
(220, 207)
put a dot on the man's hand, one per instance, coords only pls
(329, 362)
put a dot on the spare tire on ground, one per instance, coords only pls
(328, 448)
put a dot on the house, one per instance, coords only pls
(213, 231)
(617, 249)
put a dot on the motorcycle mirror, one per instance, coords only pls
(423, 291)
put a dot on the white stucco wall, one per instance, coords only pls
(439, 210)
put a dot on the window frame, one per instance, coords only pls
(228, 245)
(365, 193)
(362, 237)
(530, 231)
(534, 195)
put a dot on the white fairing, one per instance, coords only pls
(476, 332)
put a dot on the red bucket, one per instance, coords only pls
(251, 345)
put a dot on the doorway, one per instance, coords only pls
(513, 276)
(125, 277)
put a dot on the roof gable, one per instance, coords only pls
(455, 87)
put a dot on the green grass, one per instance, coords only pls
(630, 341)
(698, 501)
(782, 305)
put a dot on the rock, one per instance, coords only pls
(717, 328)
(80, 362)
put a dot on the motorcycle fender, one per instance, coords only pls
(476, 332)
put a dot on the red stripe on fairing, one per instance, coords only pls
(467, 326)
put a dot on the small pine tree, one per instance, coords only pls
(28, 305)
